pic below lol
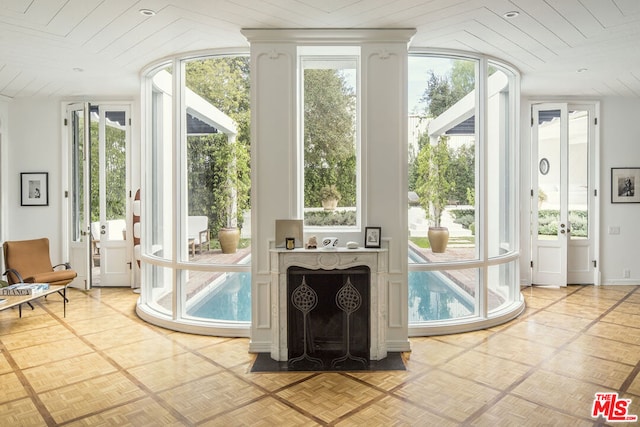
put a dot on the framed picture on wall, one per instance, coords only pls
(34, 189)
(372, 237)
(624, 183)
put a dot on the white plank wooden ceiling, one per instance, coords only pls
(98, 47)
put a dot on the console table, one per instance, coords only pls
(13, 300)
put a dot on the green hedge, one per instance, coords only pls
(321, 218)
(548, 222)
(464, 217)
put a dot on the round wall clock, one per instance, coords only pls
(544, 166)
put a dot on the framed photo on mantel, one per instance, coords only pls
(372, 237)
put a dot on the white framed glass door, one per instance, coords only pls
(99, 202)
(111, 209)
(563, 209)
(80, 238)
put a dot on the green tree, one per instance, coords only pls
(458, 173)
(214, 164)
(434, 182)
(444, 91)
(329, 136)
(225, 83)
(462, 172)
(437, 96)
(463, 79)
(413, 169)
(115, 167)
(211, 160)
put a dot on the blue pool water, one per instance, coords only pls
(432, 296)
(230, 300)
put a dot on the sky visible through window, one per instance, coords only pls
(419, 69)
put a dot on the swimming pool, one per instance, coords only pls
(432, 296)
(229, 299)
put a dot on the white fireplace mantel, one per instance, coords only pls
(338, 259)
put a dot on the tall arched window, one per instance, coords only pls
(463, 252)
(196, 257)
(462, 176)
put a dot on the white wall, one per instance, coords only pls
(4, 162)
(619, 147)
(33, 145)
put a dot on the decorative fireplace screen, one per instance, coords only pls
(328, 318)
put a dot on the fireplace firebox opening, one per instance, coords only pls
(328, 316)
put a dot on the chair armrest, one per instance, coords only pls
(15, 273)
(203, 236)
(66, 265)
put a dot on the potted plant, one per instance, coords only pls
(434, 184)
(330, 197)
(229, 235)
(232, 196)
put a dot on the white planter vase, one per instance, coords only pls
(329, 204)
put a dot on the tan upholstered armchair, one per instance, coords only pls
(28, 261)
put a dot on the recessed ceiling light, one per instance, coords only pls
(582, 70)
(147, 12)
(78, 69)
(512, 14)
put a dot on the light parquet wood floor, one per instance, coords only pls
(102, 366)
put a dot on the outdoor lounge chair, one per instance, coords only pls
(198, 233)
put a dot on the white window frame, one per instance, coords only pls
(326, 53)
